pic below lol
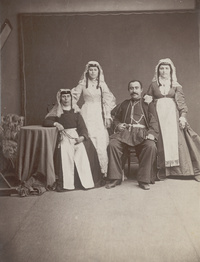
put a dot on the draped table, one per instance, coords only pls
(36, 147)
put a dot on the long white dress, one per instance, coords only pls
(91, 112)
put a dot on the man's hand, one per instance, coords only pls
(121, 126)
(79, 140)
(150, 137)
(58, 126)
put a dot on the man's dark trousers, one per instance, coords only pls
(146, 153)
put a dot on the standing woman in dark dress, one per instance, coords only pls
(175, 154)
(74, 148)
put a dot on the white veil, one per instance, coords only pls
(166, 61)
(90, 63)
(57, 110)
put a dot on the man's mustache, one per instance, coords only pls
(134, 93)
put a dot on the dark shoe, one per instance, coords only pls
(197, 178)
(104, 177)
(160, 176)
(102, 183)
(61, 189)
(53, 187)
(144, 186)
(114, 183)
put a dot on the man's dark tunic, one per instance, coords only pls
(141, 120)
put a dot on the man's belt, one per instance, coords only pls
(135, 125)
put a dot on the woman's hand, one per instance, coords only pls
(108, 122)
(182, 122)
(58, 126)
(76, 108)
(79, 140)
(148, 99)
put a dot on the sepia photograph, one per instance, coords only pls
(100, 130)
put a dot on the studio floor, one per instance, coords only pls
(125, 223)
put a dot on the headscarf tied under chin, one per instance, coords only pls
(83, 79)
(166, 61)
(57, 110)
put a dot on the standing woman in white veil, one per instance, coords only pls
(96, 110)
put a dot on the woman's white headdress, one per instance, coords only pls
(166, 61)
(57, 110)
(89, 64)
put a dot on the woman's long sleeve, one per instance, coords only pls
(81, 127)
(117, 116)
(49, 121)
(150, 91)
(109, 101)
(180, 101)
(76, 92)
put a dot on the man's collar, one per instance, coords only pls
(135, 100)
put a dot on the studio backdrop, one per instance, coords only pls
(55, 48)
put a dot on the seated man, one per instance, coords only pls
(73, 146)
(135, 125)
